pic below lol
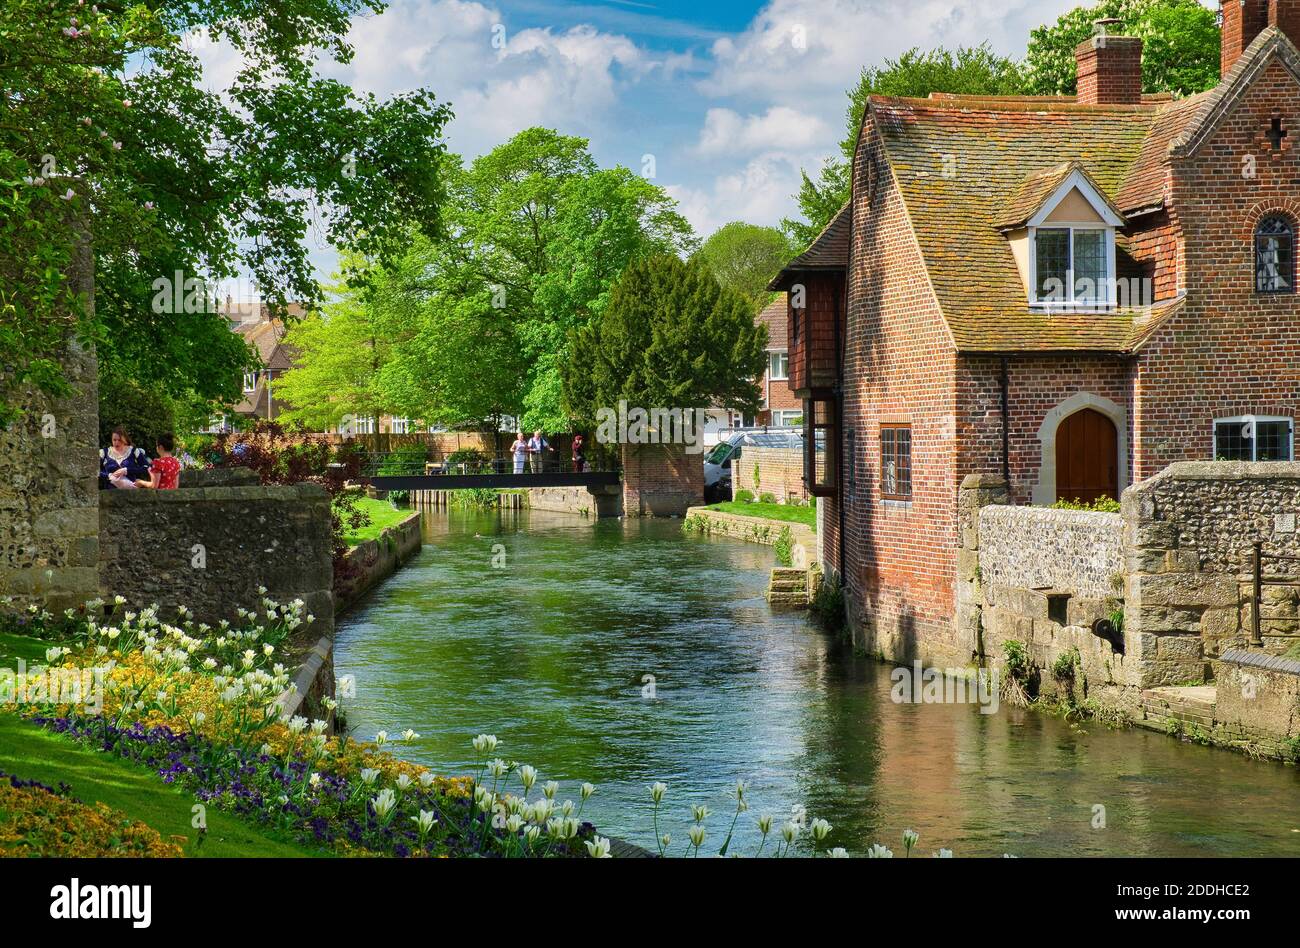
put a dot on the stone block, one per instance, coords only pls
(1197, 590)
(1179, 648)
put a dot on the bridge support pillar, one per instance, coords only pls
(661, 480)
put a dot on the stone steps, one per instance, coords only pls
(788, 588)
(1193, 704)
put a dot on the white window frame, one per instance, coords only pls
(778, 354)
(1254, 442)
(779, 416)
(1109, 222)
(401, 426)
(250, 382)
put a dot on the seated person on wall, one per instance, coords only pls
(165, 472)
(122, 464)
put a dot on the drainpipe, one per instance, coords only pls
(1006, 424)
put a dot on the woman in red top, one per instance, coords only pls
(165, 471)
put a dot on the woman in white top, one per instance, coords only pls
(520, 451)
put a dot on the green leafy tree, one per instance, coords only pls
(744, 257)
(671, 337)
(1180, 52)
(108, 130)
(969, 70)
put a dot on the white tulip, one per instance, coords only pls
(599, 848)
(839, 852)
(879, 852)
(587, 790)
(528, 776)
(697, 834)
(820, 829)
(657, 791)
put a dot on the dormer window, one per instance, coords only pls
(1073, 265)
(1061, 232)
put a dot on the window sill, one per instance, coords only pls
(890, 503)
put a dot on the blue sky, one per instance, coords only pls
(730, 97)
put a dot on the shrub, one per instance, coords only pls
(474, 498)
(743, 497)
(784, 547)
(828, 609)
(767, 498)
(407, 461)
(38, 820)
(1100, 505)
(143, 412)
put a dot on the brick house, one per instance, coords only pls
(1071, 292)
(781, 408)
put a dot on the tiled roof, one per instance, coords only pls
(1007, 153)
(1040, 186)
(267, 338)
(828, 251)
(773, 316)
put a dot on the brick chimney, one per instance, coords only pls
(1243, 20)
(1109, 67)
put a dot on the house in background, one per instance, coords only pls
(1072, 292)
(781, 408)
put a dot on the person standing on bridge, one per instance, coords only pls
(579, 454)
(537, 447)
(520, 451)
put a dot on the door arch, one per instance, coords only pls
(1087, 457)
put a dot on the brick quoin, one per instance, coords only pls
(1227, 351)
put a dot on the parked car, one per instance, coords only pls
(718, 461)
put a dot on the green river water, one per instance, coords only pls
(540, 628)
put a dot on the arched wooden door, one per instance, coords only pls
(1087, 462)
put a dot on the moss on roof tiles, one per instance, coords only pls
(961, 164)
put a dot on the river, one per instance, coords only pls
(542, 629)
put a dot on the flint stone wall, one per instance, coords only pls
(1189, 535)
(49, 469)
(1042, 548)
(209, 548)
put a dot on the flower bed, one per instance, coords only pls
(200, 706)
(38, 820)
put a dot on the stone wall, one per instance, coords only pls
(210, 548)
(780, 473)
(587, 501)
(806, 550)
(49, 472)
(1077, 551)
(370, 563)
(1184, 553)
(1047, 579)
(661, 480)
(1189, 536)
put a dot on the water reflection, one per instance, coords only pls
(550, 653)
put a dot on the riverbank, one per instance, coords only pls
(371, 561)
(653, 655)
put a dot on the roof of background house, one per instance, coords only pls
(1011, 153)
(773, 316)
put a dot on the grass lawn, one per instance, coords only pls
(28, 751)
(382, 516)
(786, 512)
(14, 647)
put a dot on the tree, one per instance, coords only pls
(106, 123)
(671, 337)
(969, 70)
(1180, 45)
(744, 257)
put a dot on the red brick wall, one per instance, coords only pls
(899, 366)
(1036, 385)
(1242, 22)
(780, 473)
(1230, 351)
(661, 480)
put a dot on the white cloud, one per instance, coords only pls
(757, 192)
(779, 129)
